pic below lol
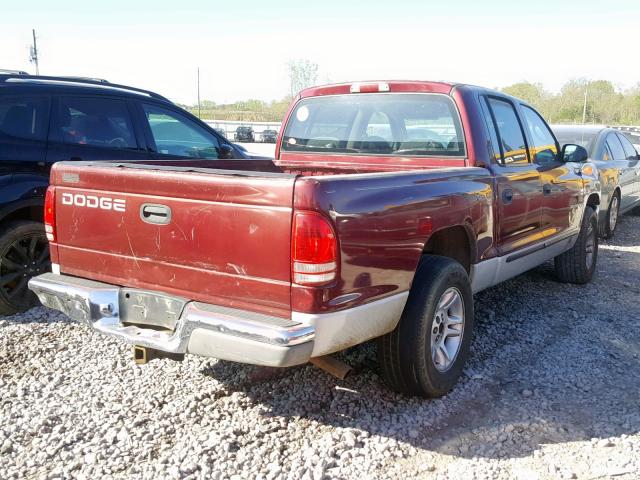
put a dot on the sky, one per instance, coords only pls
(242, 47)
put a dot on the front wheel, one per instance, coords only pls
(578, 264)
(425, 354)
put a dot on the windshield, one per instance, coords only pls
(577, 137)
(384, 124)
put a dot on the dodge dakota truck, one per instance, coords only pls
(388, 205)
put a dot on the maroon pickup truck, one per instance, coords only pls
(388, 205)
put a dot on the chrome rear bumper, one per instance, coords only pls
(176, 325)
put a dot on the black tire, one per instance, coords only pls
(613, 212)
(576, 265)
(405, 355)
(21, 243)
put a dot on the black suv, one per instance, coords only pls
(244, 134)
(269, 136)
(47, 119)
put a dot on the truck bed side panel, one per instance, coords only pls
(383, 222)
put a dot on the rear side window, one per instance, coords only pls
(23, 118)
(98, 122)
(544, 148)
(615, 147)
(510, 133)
(629, 149)
(370, 124)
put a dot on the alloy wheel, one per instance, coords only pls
(22, 260)
(447, 329)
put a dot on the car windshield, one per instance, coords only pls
(383, 124)
(583, 138)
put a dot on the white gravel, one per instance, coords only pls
(552, 391)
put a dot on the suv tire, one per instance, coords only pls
(437, 320)
(24, 253)
(578, 264)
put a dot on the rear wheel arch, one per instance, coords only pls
(456, 242)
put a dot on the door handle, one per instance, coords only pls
(546, 189)
(155, 214)
(507, 195)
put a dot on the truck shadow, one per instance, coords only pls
(551, 363)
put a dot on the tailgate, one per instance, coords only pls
(217, 236)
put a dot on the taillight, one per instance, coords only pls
(314, 249)
(50, 214)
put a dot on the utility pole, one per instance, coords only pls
(33, 57)
(199, 92)
(584, 107)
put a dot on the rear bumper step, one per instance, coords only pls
(198, 328)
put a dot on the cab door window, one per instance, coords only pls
(512, 141)
(177, 136)
(617, 151)
(629, 149)
(544, 147)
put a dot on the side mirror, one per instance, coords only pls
(226, 152)
(574, 153)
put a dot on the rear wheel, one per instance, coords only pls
(24, 253)
(578, 264)
(425, 354)
(610, 223)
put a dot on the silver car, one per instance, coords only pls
(618, 166)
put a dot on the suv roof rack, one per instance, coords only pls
(12, 72)
(21, 77)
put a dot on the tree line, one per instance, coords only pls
(604, 103)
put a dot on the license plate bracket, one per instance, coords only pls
(150, 308)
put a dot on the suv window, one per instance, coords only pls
(511, 137)
(629, 149)
(545, 150)
(23, 117)
(98, 122)
(617, 152)
(174, 134)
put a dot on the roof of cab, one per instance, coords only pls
(393, 86)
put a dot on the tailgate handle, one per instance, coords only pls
(155, 214)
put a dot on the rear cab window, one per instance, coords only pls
(425, 124)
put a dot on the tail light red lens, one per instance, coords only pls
(50, 214)
(314, 249)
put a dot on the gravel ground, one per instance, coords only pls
(551, 392)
